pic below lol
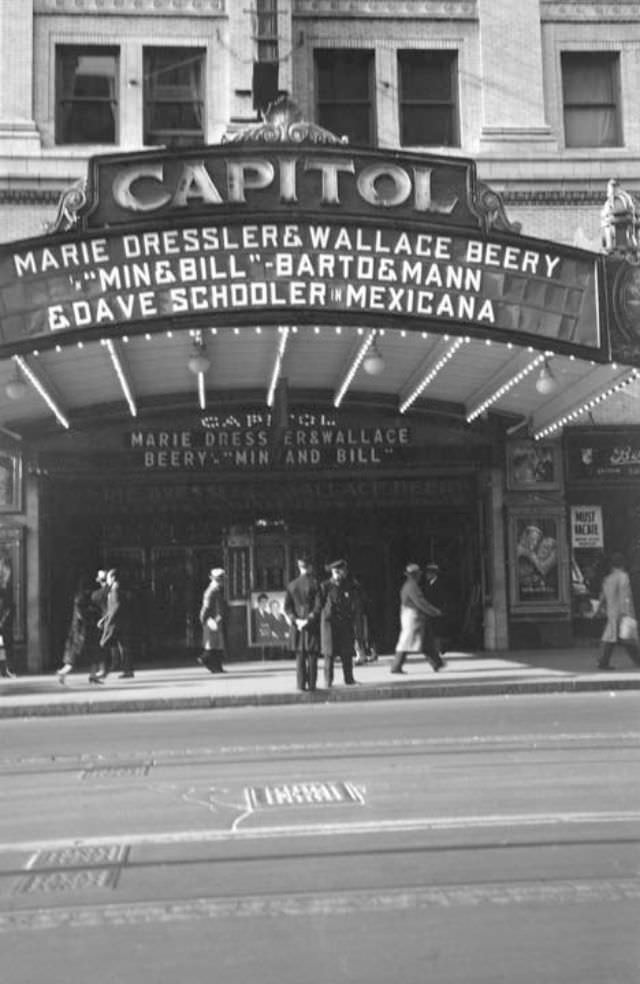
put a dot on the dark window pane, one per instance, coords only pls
(351, 122)
(344, 103)
(590, 96)
(427, 90)
(173, 96)
(425, 76)
(427, 126)
(86, 94)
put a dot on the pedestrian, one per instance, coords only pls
(214, 618)
(7, 611)
(83, 633)
(616, 603)
(115, 624)
(301, 607)
(340, 606)
(435, 591)
(416, 634)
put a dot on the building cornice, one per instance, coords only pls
(416, 9)
(139, 8)
(587, 10)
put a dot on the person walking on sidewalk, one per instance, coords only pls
(416, 634)
(116, 629)
(83, 634)
(616, 602)
(435, 591)
(300, 608)
(213, 618)
(340, 607)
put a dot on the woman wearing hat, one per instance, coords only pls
(416, 635)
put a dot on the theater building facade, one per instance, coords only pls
(393, 321)
(310, 347)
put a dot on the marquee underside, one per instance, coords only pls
(466, 378)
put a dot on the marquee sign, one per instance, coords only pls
(288, 233)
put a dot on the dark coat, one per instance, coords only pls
(117, 618)
(340, 608)
(301, 603)
(83, 632)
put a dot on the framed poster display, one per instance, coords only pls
(268, 624)
(533, 465)
(10, 482)
(537, 559)
(12, 575)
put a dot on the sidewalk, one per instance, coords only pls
(273, 682)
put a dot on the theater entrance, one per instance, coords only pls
(165, 544)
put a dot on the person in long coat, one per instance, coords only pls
(616, 601)
(115, 640)
(416, 634)
(83, 634)
(304, 619)
(341, 629)
(214, 618)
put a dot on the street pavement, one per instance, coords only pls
(272, 682)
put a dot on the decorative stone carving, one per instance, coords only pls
(492, 212)
(427, 9)
(157, 8)
(282, 122)
(72, 201)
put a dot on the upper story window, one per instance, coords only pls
(591, 99)
(344, 88)
(86, 94)
(428, 106)
(173, 96)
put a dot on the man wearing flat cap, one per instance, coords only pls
(341, 627)
(213, 618)
(416, 635)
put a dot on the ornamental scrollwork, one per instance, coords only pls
(491, 211)
(70, 204)
(282, 122)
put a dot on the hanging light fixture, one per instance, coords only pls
(546, 382)
(373, 362)
(16, 388)
(199, 361)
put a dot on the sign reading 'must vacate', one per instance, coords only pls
(294, 232)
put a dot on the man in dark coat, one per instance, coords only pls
(213, 618)
(300, 605)
(116, 628)
(435, 591)
(340, 606)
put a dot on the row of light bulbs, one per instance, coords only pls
(368, 356)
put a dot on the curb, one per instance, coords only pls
(405, 691)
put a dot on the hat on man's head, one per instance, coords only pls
(217, 572)
(432, 566)
(337, 565)
(412, 569)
